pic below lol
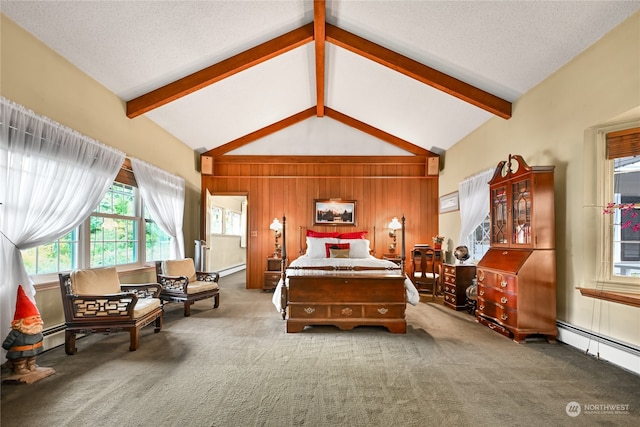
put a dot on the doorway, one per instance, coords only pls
(226, 233)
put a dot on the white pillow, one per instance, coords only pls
(359, 248)
(316, 247)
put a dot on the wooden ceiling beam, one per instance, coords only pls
(219, 71)
(418, 71)
(261, 133)
(319, 14)
(377, 133)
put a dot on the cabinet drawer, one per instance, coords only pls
(449, 288)
(384, 311)
(495, 295)
(506, 282)
(448, 269)
(308, 311)
(270, 280)
(450, 279)
(495, 311)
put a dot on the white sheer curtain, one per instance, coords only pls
(163, 194)
(51, 179)
(473, 195)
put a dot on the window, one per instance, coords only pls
(623, 188)
(157, 242)
(114, 228)
(61, 255)
(115, 234)
(626, 241)
(479, 240)
(232, 223)
(215, 222)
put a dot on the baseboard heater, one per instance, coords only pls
(53, 330)
(231, 270)
(622, 354)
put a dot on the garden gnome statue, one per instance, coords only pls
(24, 342)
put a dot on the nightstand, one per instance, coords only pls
(393, 258)
(272, 274)
(457, 278)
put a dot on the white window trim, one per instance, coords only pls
(604, 194)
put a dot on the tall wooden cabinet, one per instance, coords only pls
(517, 276)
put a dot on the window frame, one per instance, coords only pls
(605, 277)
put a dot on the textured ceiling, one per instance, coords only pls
(503, 47)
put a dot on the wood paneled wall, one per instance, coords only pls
(277, 186)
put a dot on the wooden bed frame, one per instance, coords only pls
(344, 297)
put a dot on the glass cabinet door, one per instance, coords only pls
(499, 232)
(521, 213)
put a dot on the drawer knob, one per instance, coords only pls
(481, 307)
(504, 316)
(504, 283)
(309, 310)
(383, 310)
(346, 311)
(481, 276)
(482, 292)
(504, 300)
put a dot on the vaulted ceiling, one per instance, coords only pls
(305, 77)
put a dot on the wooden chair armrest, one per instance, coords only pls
(207, 276)
(119, 305)
(143, 290)
(176, 284)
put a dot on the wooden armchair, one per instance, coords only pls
(425, 270)
(95, 301)
(182, 283)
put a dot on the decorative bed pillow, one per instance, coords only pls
(359, 248)
(311, 233)
(354, 235)
(338, 253)
(316, 246)
(330, 246)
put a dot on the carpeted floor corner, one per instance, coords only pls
(236, 366)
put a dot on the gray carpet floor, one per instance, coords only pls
(236, 366)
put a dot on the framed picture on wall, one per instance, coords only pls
(449, 202)
(334, 212)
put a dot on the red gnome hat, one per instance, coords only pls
(24, 306)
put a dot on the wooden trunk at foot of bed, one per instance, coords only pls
(347, 301)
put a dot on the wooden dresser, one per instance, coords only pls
(457, 278)
(517, 276)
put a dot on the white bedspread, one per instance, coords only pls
(413, 297)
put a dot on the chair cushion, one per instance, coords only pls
(144, 306)
(180, 267)
(195, 287)
(98, 281)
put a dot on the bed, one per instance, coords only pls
(336, 281)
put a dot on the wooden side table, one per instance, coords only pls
(457, 278)
(393, 258)
(272, 274)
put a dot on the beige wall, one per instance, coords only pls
(553, 124)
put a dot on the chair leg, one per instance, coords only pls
(187, 308)
(216, 300)
(70, 343)
(158, 324)
(134, 339)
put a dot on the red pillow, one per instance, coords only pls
(311, 233)
(354, 235)
(329, 246)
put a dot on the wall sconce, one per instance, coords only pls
(276, 226)
(393, 226)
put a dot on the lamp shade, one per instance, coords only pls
(275, 225)
(395, 224)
